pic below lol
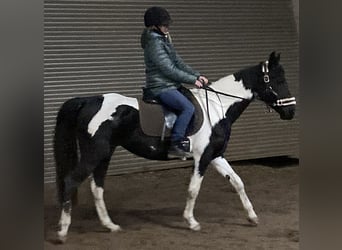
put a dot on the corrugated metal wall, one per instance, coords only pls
(93, 47)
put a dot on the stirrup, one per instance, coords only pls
(180, 149)
(179, 154)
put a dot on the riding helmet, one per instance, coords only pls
(157, 16)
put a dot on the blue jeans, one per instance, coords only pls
(182, 107)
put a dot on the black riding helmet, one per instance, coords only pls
(157, 16)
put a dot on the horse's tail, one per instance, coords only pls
(65, 143)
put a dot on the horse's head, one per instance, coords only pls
(272, 88)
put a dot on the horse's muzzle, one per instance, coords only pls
(287, 113)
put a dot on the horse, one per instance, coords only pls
(88, 129)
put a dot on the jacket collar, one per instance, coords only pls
(158, 33)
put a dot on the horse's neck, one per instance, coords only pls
(232, 86)
(221, 106)
(233, 106)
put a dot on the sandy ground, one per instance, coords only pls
(149, 207)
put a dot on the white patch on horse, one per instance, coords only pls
(109, 105)
(194, 187)
(218, 105)
(64, 223)
(224, 168)
(101, 207)
(229, 85)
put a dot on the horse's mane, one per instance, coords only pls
(248, 75)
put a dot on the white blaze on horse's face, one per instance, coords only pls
(109, 106)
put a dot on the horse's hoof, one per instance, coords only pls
(114, 228)
(196, 227)
(254, 220)
(61, 239)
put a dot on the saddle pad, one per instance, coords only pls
(152, 116)
(152, 119)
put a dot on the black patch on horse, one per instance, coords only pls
(220, 135)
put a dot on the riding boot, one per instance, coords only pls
(180, 148)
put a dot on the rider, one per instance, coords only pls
(165, 71)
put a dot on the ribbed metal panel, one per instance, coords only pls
(93, 47)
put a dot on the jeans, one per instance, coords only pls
(182, 107)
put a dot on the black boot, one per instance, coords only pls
(180, 149)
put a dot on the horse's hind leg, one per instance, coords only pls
(92, 152)
(97, 184)
(72, 181)
(223, 167)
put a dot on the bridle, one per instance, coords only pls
(265, 70)
(280, 102)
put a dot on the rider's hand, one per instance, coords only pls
(198, 84)
(203, 80)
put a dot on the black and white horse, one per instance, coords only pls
(96, 125)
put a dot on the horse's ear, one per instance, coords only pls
(274, 59)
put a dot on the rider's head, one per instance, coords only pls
(157, 16)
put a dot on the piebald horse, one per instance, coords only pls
(89, 129)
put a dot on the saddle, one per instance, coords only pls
(156, 120)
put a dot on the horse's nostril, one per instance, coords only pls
(292, 113)
(288, 114)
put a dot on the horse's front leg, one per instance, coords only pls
(202, 159)
(64, 221)
(223, 167)
(194, 187)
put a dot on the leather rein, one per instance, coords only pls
(207, 88)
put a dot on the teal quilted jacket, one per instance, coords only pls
(164, 68)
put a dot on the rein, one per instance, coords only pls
(207, 88)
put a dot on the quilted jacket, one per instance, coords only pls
(164, 67)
